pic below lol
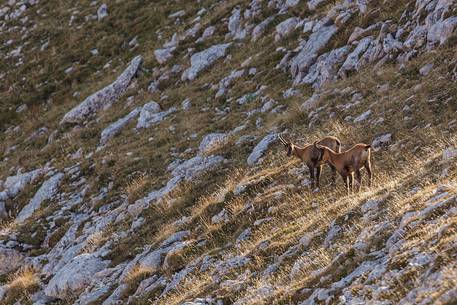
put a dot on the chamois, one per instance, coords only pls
(311, 156)
(349, 162)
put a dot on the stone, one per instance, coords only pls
(221, 217)
(104, 97)
(47, 190)
(311, 102)
(440, 32)
(381, 140)
(202, 60)
(363, 116)
(186, 104)
(116, 127)
(426, 69)
(13, 185)
(163, 55)
(308, 54)
(75, 276)
(260, 29)
(449, 153)
(325, 68)
(192, 168)
(3, 211)
(314, 4)
(208, 32)
(102, 11)
(350, 64)
(212, 142)
(286, 27)
(234, 23)
(150, 115)
(261, 148)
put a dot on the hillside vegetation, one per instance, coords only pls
(140, 160)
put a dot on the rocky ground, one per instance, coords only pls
(140, 161)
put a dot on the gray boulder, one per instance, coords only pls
(324, 70)
(261, 148)
(116, 127)
(150, 114)
(308, 54)
(440, 32)
(352, 59)
(197, 165)
(47, 190)
(286, 27)
(202, 60)
(163, 55)
(104, 97)
(75, 276)
(15, 184)
(212, 141)
(259, 29)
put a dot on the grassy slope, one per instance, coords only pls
(48, 91)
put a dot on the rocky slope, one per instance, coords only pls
(140, 161)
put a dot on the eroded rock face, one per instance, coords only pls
(104, 97)
(202, 60)
(75, 276)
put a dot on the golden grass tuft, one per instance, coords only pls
(21, 285)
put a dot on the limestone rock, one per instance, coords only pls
(202, 60)
(47, 190)
(261, 148)
(104, 97)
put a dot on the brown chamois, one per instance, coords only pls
(349, 162)
(312, 156)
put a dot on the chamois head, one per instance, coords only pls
(290, 147)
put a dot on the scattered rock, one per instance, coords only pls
(212, 141)
(260, 148)
(102, 12)
(47, 190)
(75, 276)
(202, 60)
(116, 127)
(103, 98)
(382, 140)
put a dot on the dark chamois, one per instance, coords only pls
(312, 156)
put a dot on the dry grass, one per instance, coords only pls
(21, 285)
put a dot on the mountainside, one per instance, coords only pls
(140, 159)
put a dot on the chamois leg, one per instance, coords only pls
(311, 175)
(351, 179)
(333, 175)
(370, 173)
(318, 174)
(358, 178)
(346, 181)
